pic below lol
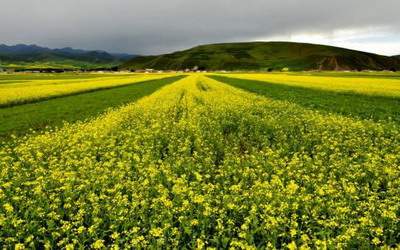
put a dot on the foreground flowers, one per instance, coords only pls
(200, 164)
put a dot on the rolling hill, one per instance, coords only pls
(33, 56)
(266, 56)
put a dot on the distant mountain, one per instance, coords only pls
(398, 57)
(22, 55)
(123, 56)
(266, 56)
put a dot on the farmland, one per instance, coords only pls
(207, 160)
(374, 97)
(51, 112)
(28, 91)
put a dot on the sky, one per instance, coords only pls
(160, 26)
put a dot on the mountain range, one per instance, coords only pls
(266, 56)
(33, 56)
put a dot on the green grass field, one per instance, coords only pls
(207, 161)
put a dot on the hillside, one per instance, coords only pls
(266, 56)
(398, 57)
(33, 56)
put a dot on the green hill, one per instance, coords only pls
(265, 56)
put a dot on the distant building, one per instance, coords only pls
(285, 69)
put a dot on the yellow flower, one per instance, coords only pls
(115, 235)
(19, 246)
(156, 232)
(198, 199)
(8, 207)
(194, 222)
(98, 244)
(376, 241)
(292, 187)
(70, 247)
(292, 246)
(200, 244)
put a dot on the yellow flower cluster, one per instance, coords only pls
(200, 164)
(30, 90)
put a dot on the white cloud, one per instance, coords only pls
(379, 40)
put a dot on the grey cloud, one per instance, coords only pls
(156, 26)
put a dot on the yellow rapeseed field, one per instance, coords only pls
(27, 91)
(200, 164)
(362, 85)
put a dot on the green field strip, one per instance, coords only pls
(53, 112)
(344, 103)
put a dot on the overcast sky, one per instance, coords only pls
(158, 26)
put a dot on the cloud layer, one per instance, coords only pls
(155, 26)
